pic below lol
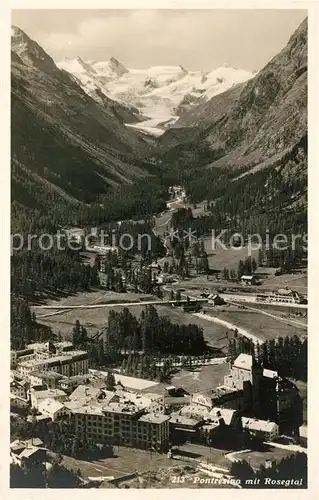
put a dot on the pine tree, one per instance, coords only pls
(123, 366)
(186, 268)
(253, 265)
(232, 352)
(110, 381)
(76, 333)
(205, 263)
(242, 470)
(129, 365)
(233, 274)
(225, 273)
(241, 269)
(75, 447)
(260, 257)
(100, 353)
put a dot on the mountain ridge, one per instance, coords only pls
(83, 143)
(242, 119)
(160, 93)
(77, 146)
(251, 134)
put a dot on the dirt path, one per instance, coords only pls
(229, 325)
(68, 308)
(260, 311)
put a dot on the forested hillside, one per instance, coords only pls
(248, 146)
(66, 147)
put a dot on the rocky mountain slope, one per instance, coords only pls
(160, 93)
(258, 125)
(63, 142)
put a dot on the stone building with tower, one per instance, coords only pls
(267, 395)
(256, 393)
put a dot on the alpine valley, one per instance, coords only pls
(159, 265)
(93, 136)
(160, 93)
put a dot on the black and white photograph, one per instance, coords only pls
(159, 248)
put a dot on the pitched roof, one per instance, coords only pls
(225, 413)
(34, 442)
(22, 382)
(129, 382)
(17, 446)
(155, 418)
(29, 452)
(74, 404)
(140, 400)
(209, 426)
(99, 408)
(108, 396)
(259, 425)
(244, 361)
(181, 419)
(86, 391)
(76, 378)
(46, 374)
(16, 441)
(49, 393)
(42, 417)
(270, 373)
(50, 405)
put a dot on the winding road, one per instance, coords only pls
(164, 220)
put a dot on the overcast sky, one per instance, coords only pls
(196, 39)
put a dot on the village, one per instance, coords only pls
(53, 385)
(216, 409)
(159, 249)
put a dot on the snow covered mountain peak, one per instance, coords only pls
(118, 68)
(85, 65)
(160, 93)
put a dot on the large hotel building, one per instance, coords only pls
(59, 357)
(122, 423)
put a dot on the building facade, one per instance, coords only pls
(53, 409)
(36, 397)
(266, 395)
(262, 430)
(223, 396)
(68, 364)
(120, 423)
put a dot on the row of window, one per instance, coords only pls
(100, 420)
(108, 430)
(124, 427)
(131, 438)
